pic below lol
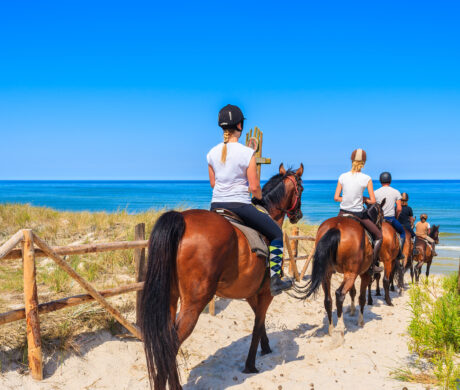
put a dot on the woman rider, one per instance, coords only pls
(352, 185)
(232, 169)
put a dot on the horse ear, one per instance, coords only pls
(382, 203)
(299, 171)
(282, 170)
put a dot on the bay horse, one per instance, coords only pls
(423, 252)
(196, 254)
(388, 254)
(342, 246)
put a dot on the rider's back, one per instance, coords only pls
(231, 176)
(391, 195)
(353, 186)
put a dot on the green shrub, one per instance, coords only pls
(435, 327)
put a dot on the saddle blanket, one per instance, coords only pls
(255, 239)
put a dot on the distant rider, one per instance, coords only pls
(232, 169)
(406, 216)
(392, 196)
(422, 230)
(351, 185)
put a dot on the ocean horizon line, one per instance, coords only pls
(197, 180)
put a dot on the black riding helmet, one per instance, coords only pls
(230, 116)
(385, 178)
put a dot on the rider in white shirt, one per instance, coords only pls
(349, 193)
(233, 174)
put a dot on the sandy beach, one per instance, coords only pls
(304, 356)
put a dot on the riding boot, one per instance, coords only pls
(433, 250)
(400, 255)
(277, 285)
(375, 267)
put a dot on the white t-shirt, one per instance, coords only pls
(353, 186)
(231, 176)
(391, 195)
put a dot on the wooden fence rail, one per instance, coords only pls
(33, 247)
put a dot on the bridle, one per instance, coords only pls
(294, 210)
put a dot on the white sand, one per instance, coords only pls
(304, 355)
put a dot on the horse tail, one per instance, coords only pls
(160, 338)
(325, 255)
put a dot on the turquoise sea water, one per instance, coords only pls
(439, 199)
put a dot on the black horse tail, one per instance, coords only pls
(325, 254)
(160, 338)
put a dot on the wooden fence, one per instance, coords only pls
(32, 247)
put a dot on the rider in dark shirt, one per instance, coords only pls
(406, 217)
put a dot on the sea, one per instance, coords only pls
(440, 199)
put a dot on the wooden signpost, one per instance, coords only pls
(254, 140)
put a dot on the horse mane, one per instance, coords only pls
(434, 229)
(274, 190)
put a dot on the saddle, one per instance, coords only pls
(255, 239)
(368, 234)
(419, 242)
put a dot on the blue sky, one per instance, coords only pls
(131, 90)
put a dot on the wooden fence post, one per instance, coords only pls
(294, 247)
(295, 274)
(141, 269)
(34, 343)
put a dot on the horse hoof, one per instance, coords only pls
(389, 303)
(392, 288)
(250, 370)
(266, 351)
(377, 294)
(370, 302)
(361, 320)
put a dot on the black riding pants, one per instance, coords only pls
(254, 218)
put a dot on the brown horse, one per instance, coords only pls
(342, 246)
(423, 252)
(388, 254)
(196, 254)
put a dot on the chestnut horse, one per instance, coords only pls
(388, 254)
(342, 246)
(196, 254)
(423, 252)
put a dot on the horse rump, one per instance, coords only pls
(160, 338)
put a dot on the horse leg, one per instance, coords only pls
(392, 280)
(263, 301)
(370, 301)
(365, 282)
(328, 301)
(386, 283)
(340, 294)
(377, 288)
(428, 265)
(352, 309)
(264, 343)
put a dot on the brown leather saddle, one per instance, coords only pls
(368, 234)
(256, 240)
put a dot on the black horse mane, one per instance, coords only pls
(274, 190)
(434, 230)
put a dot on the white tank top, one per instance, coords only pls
(353, 186)
(231, 176)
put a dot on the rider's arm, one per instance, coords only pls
(338, 191)
(370, 189)
(253, 179)
(398, 208)
(212, 176)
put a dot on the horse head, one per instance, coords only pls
(375, 212)
(434, 233)
(283, 194)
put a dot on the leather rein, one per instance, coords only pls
(291, 211)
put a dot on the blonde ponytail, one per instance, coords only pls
(356, 166)
(223, 157)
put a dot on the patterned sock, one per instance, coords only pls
(276, 257)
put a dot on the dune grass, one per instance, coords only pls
(434, 332)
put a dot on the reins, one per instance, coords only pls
(295, 201)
